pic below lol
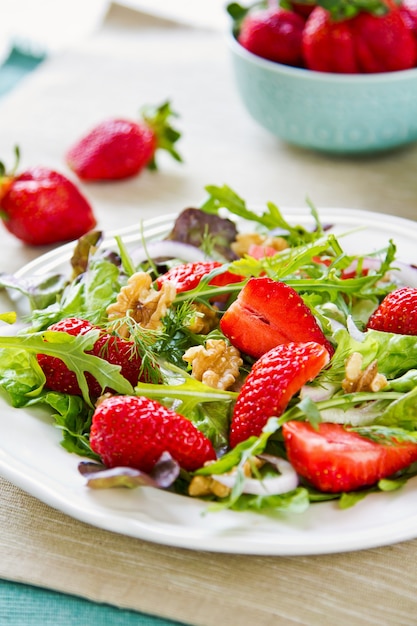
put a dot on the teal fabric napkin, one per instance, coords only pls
(16, 66)
(23, 605)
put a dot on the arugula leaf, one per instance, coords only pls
(225, 198)
(72, 350)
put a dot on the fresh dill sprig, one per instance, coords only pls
(144, 343)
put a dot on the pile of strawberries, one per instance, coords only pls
(358, 37)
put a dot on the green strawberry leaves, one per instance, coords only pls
(158, 120)
(339, 9)
(347, 9)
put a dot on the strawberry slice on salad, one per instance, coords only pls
(134, 431)
(334, 459)
(271, 383)
(268, 313)
(187, 276)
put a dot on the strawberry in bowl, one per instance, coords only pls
(353, 89)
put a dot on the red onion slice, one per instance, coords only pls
(167, 249)
(286, 481)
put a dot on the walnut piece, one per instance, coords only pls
(208, 485)
(142, 302)
(357, 379)
(216, 364)
(205, 319)
(244, 240)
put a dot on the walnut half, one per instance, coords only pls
(216, 364)
(142, 302)
(357, 379)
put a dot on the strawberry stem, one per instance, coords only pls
(158, 120)
(6, 178)
(347, 9)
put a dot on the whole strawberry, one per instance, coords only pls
(120, 148)
(133, 431)
(108, 347)
(397, 312)
(274, 34)
(363, 43)
(271, 383)
(334, 459)
(42, 207)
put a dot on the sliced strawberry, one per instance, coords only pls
(267, 313)
(110, 348)
(271, 383)
(397, 312)
(188, 275)
(134, 431)
(335, 460)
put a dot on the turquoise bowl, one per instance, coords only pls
(338, 113)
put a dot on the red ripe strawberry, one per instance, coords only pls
(397, 312)
(132, 431)
(267, 313)
(273, 34)
(365, 43)
(188, 275)
(335, 460)
(271, 383)
(41, 207)
(120, 148)
(108, 347)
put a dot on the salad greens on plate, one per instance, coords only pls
(237, 291)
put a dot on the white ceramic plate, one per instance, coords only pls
(32, 458)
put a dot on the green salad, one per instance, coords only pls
(341, 292)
